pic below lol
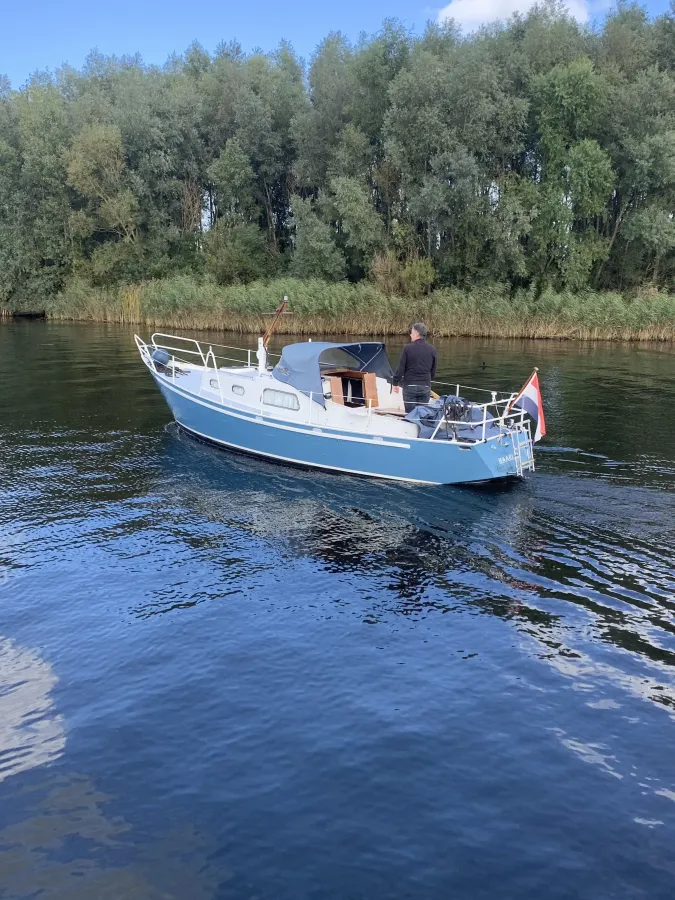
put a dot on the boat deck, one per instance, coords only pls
(389, 422)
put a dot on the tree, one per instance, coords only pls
(532, 152)
(361, 225)
(35, 249)
(98, 172)
(316, 127)
(316, 254)
(232, 175)
(239, 253)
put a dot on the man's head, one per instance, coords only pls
(418, 331)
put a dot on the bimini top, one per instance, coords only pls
(301, 364)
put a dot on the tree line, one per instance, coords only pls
(537, 152)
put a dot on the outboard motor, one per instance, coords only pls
(442, 417)
(456, 410)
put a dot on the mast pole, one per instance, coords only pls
(265, 339)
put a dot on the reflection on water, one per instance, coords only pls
(31, 732)
(354, 689)
(507, 553)
(68, 847)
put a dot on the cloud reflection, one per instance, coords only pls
(31, 732)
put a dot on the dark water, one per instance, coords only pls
(225, 679)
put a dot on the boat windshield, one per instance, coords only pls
(302, 365)
(338, 358)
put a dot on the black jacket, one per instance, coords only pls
(417, 364)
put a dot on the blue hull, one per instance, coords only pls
(403, 459)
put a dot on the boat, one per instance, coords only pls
(331, 405)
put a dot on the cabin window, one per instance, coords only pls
(282, 399)
(238, 390)
(214, 383)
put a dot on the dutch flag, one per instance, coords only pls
(529, 399)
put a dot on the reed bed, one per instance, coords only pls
(183, 302)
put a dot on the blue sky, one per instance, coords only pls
(43, 34)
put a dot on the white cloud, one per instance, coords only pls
(471, 14)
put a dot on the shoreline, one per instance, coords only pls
(492, 310)
(487, 330)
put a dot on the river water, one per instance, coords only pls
(221, 678)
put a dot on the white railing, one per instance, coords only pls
(203, 350)
(494, 411)
(143, 350)
(512, 419)
(458, 388)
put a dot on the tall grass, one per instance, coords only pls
(319, 307)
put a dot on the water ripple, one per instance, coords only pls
(373, 689)
(31, 732)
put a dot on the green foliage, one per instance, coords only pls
(238, 253)
(317, 125)
(114, 262)
(411, 278)
(362, 227)
(654, 229)
(97, 171)
(232, 175)
(535, 152)
(316, 254)
(34, 242)
(568, 100)
(590, 179)
(345, 308)
(417, 277)
(385, 272)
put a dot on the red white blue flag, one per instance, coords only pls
(529, 399)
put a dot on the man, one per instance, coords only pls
(416, 368)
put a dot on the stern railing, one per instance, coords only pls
(502, 417)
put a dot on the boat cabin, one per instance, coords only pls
(351, 375)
